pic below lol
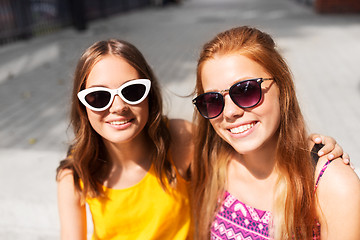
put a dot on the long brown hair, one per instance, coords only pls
(294, 210)
(88, 154)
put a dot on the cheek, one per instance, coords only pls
(277, 116)
(145, 111)
(142, 110)
(273, 100)
(215, 123)
(94, 118)
(272, 111)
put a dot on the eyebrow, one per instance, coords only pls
(232, 83)
(99, 85)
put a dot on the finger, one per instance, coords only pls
(330, 147)
(346, 159)
(336, 152)
(316, 138)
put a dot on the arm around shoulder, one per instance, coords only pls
(71, 212)
(338, 207)
(182, 146)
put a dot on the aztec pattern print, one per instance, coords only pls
(238, 221)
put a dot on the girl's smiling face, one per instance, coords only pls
(250, 129)
(121, 122)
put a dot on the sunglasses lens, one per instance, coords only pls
(210, 105)
(98, 99)
(134, 92)
(246, 94)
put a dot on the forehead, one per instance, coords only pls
(222, 71)
(111, 71)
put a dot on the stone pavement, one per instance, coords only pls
(35, 82)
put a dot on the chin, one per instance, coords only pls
(246, 146)
(113, 138)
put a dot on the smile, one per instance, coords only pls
(241, 128)
(120, 122)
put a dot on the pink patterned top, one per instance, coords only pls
(239, 221)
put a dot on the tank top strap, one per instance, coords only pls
(321, 174)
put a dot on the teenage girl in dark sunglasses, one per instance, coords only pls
(127, 161)
(253, 174)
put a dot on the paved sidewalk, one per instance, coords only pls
(35, 82)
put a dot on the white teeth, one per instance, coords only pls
(242, 128)
(119, 122)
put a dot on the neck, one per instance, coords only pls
(252, 177)
(128, 162)
(259, 163)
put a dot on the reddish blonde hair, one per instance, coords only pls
(88, 153)
(294, 208)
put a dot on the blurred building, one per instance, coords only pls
(337, 6)
(22, 19)
(333, 6)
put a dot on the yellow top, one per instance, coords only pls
(143, 211)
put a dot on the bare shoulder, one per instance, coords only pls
(338, 195)
(66, 185)
(337, 177)
(182, 144)
(72, 211)
(65, 175)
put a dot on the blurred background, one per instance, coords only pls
(41, 40)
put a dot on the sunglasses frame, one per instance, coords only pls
(113, 92)
(222, 92)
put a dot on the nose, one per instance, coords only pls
(231, 110)
(118, 105)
